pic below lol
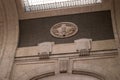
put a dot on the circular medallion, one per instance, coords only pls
(64, 29)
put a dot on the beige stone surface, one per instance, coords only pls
(10, 69)
(67, 48)
(69, 77)
(27, 70)
(8, 36)
(107, 67)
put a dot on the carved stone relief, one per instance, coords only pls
(45, 49)
(63, 65)
(83, 46)
(64, 29)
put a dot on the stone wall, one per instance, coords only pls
(107, 67)
(8, 36)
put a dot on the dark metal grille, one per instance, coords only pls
(37, 5)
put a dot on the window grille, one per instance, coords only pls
(37, 5)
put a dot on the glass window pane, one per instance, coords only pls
(36, 5)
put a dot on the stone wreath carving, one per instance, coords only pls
(64, 29)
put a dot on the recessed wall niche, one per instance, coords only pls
(95, 25)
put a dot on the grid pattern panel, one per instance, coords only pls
(37, 5)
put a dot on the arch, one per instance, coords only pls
(99, 75)
(43, 76)
(8, 37)
(80, 73)
(33, 74)
(93, 74)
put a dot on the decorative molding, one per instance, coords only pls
(77, 76)
(83, 46)
(96, 75)
(45, 49)
(2, 30)
(43, 76)
(9, 37)
(93, 55)
(68, 50)
(116, 21)
(44, 55)
(63, 65)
